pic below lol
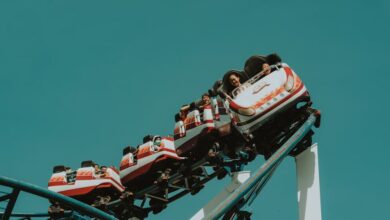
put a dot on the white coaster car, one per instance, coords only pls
(85, 183)
(198, 129)
(140, 167)
(262, 97)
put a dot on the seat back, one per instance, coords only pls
(208, 118)
(214, 103)
(85, 173)
(58, 178)
(168, 143)
(127, 161)
(144, 150)
(180, 130)
(192, 120)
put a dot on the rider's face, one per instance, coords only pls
(234, 80)
(206, 99)
(266, 68)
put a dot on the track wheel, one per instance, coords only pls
(101, 202)
(305, 143)
(55, 210)
(157, 205)
(196, 189)
(251, 153)
(222, 174)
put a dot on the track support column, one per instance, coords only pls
(308, 184)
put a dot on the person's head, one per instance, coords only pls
(147, 138)
(258, 63)
(67, 169)
(255, 64)
(157, 141)
(96, 166)
(103, 168)
(205, 99)
(234, 80)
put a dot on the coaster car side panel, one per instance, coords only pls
(148, 158)
(86, 182)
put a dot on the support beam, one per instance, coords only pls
(308, 184)
(11, 204)
(238, 178)
(5, 197)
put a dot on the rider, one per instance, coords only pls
(157, 143)
(205, 101)
(96, 167)
(103, 171)
(258, 63)
(233, 79)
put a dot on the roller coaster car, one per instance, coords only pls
(142, 166)
(264, 96)
(86, 184)
(196, 129)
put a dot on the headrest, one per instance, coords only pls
(217, 86)
(59, 169)
(192, 106)
(147, 138)
(212, 93)
(177, 117)
(87, 163)
(126, 150)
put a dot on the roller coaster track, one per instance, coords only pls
(241, 197)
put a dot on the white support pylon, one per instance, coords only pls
(308, 184)
(238, 178)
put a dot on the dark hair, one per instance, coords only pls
(226, 84)
(254, 64)
(147, 138)
(236, 73)
(88, 163)
(177, 117)
(206, 94)
(59, 169)
(273, 59)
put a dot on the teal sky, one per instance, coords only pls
(82, 79)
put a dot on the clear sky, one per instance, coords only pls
(82, 79)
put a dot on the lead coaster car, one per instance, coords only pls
(264, 96)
